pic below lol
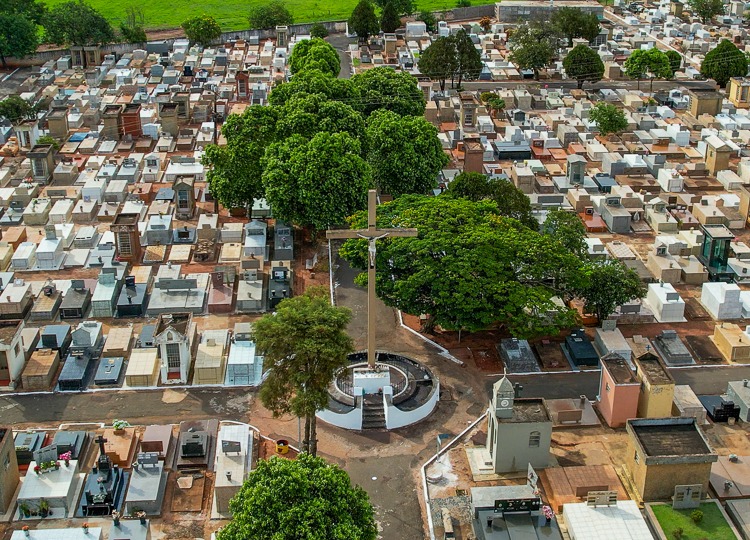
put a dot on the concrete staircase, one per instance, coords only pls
(373, 413)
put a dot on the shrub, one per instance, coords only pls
(677, 533)
(696, 516)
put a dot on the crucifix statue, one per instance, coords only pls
(371, 234)
(100, 441)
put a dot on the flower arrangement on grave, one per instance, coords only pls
(548, 513)
(116, 517)
(119, 425)
(66, 457)
(25, 530)
(140, 514)
(100, 479)
(37, 469)
(85, 527)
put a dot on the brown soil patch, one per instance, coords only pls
(191, 499)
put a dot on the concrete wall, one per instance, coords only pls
(9, 478)
(512, 452)
(396, 418)
(617, 402)
(657, 482)
(350, 420)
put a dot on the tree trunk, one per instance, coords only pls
(2, 58)
(536, 74)
(306, 439)
(442, 85)
(651, 85)
(313, 435)
(580, 83)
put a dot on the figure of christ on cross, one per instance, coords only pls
(100, 441)
(371, 234)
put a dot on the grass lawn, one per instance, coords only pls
(712, 527)
(232, 14)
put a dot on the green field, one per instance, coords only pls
(713, 525)
(232, 14)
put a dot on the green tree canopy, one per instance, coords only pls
(534, 46)
(318, 30)
(574, 23)
(18, 36)
(724, 62)
(608, 118)
(675, 61)
(604, 285)
(429, 20)
(270, 15)
(463, 3)
(706, 10)
(389, 19)
(363, 20)
(49, 139)
(306, 115)
(235, 170)
(439, 61)
(384, 88)
(303, 344)
(651, 63)
(34, 10)
(314, 53)
(584, 65)
(15, 109)
(132, 27)
(469, 268)
(305, 498)
(511, 202)
(404, 152)
(202, 29)
(314, 81)
(468, 59)
(316, 183)
(77, 23)
(403, 7)
(568, 229)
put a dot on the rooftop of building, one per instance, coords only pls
(669, 437)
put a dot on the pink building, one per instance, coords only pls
(618, 391)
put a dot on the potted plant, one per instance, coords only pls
(25, 530)
(548, 513)
(43, 508)
(116, 517)
(120, 425)
(85, 527)
(57, 465)
(66, 456)
(141, 515)
(25, 509)
(37, 469)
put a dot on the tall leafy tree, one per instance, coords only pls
(34, 10)
(439, 60)
(314, 81)
(534, 46)
(303, 344)
(403, 7)
(270, 15)
(468, 268)
(468, 59)
(584, 65)
(363, 20)
(318, 30)
(202, 29)
(429, 20)
(675, 61)
(316, 183)
(511, 202)
(306, 115)
(314, 53)
(18, 36)
(651, 64)
(706, 10)
(404, 152)
(724, 62)
(286, 499)
(77, 23)
(389, 19)
(568, 229)
(606, 285)
(15, 109)
(574, 23)
(609, 119)
(384, 88)
(132, 27)
(235, 170)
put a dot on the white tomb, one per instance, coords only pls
(71, 533)
(665, 303)
(722, 300)
(57, 487)
(371, 381)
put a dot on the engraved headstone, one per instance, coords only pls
(687, 496)
(601, 498)
(48, 453)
